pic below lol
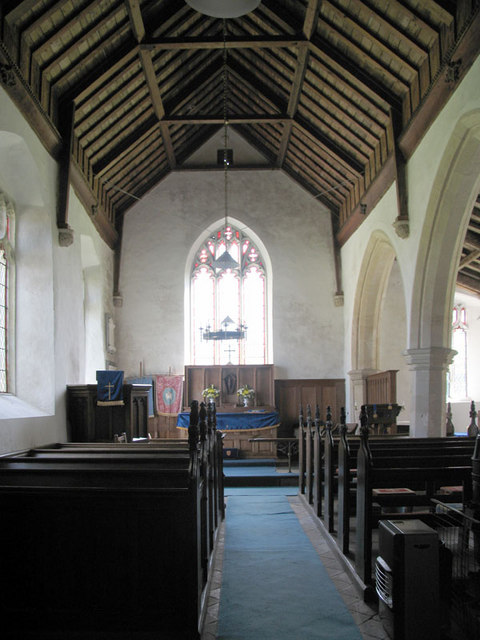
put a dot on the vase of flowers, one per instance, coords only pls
(210, 394)
(246, 395)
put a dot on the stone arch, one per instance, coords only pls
(371, 322)
(454, 190)
(374, 274)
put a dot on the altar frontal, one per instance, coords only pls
(240, 426)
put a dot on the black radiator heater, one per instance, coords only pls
(407, 580)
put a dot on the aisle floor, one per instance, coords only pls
(365, 615)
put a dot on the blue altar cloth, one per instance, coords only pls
(238, 421)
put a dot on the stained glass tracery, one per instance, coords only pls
(237, 293)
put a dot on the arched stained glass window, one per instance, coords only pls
(228, 300)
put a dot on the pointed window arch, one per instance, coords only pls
(228, 301)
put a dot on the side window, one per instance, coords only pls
(7, 222)
(458, 387)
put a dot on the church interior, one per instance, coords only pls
(276, 200)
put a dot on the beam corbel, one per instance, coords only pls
(65, 232)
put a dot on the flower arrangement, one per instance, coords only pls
(211, 392)
(246, 392)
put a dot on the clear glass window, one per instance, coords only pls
(6, 279)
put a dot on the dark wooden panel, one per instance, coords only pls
(291, 394)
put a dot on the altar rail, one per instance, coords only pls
(110, 538)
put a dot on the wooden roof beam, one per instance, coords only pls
(244, 119)
(467, 282)
(474, 255)
(309, 26)
(138, 29)
(472, 240)
(231, 42)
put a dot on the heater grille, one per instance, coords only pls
(384, 581)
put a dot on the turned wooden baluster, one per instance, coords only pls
(317, 464)
(472, 430)
(193, 427)
(450, 429)
(204, 508)
(309, 457)
(328, 472)
(301, 452)
(344, 480)
(363, 552)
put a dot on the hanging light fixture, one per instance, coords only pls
(225, 261)
(225, 333)
(223, 8)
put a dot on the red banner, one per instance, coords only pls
(169, 394)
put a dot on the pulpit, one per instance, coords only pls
(383, 417)
(89, 422)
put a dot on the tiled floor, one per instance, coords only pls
(364, 615)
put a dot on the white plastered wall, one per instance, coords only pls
(50, 328)
(442, 176)
(159, 233)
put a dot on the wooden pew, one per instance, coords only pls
(401, 468)
(309, 453)
(107, 540)
(347, 463)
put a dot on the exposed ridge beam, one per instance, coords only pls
(231, 42)
(233, 168)
(205, 119)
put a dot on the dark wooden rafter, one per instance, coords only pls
(231, 42)
(138, 28)
(337, 94)
(309, 26)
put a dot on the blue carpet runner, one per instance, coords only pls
(274, 585)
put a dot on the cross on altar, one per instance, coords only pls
(230, 350)
(109, 386)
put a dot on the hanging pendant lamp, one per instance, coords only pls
(225, 261)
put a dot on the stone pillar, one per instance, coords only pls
(358, 395)
(429, 385)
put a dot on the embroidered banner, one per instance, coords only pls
(169, 394)
(145, 380)
(109, 388)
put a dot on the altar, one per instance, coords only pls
(240, 426)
